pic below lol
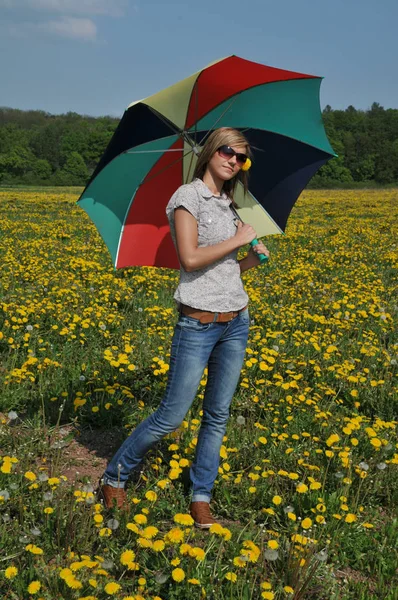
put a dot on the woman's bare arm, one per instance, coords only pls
(193, 258)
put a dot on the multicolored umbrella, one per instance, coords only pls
(154, 150)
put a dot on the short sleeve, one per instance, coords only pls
(187, 197)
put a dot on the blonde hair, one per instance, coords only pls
(219, 137)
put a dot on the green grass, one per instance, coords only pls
(83, 359)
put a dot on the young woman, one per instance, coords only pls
(213, 324)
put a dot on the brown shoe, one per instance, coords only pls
(113, 497)
(200, 512)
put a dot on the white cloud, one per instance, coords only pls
(71, 27)
(115, 8)
(67, 27)
(65, 18)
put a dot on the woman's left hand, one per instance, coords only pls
(259, 249)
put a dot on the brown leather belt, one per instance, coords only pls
(205, 316)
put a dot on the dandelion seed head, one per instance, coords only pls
(364, 466)
(113, 524)
(270, 554)
(322, 555)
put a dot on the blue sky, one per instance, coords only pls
(97, 56)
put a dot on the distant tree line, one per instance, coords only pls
(43, 149)
(39, 148)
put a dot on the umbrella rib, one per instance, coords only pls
(153, 151)
(220, 117)
(190, 165)
(196, 109)
(165, 168)
(261, 207)
(165, 121)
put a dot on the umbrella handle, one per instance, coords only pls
(263, 257)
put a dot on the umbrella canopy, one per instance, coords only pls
(154, 150)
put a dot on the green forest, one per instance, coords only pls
(38, 148)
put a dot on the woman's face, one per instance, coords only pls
(225, 167)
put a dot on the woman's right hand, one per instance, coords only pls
(245, 233)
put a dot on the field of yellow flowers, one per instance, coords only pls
(307, 485)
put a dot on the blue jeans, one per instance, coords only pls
(220, 346)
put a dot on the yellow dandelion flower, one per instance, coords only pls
(178, 574)
(30, 476)
(65, 573)
(183, 519)
(299, 539)
(268, 511)
(73, 583)
(315, 485)
(265, 585)
(163, 483)
(306, 523)
(273, 544)
(197, 553)
(11, 572)
(350, 518)
(174, 536)
(231, 576)
(140, 519)
(174, 473)
(175, 562)
(158, 545)
(216, 528)
(376, 443)
(144, 542)
(149, 532)
(240, 561)
(151, 496)
(34, 587)
(127, 557)
(301, 488)
(185, 548)
(276, 500)
(53, 481)
(112, 588)
(34, 549)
